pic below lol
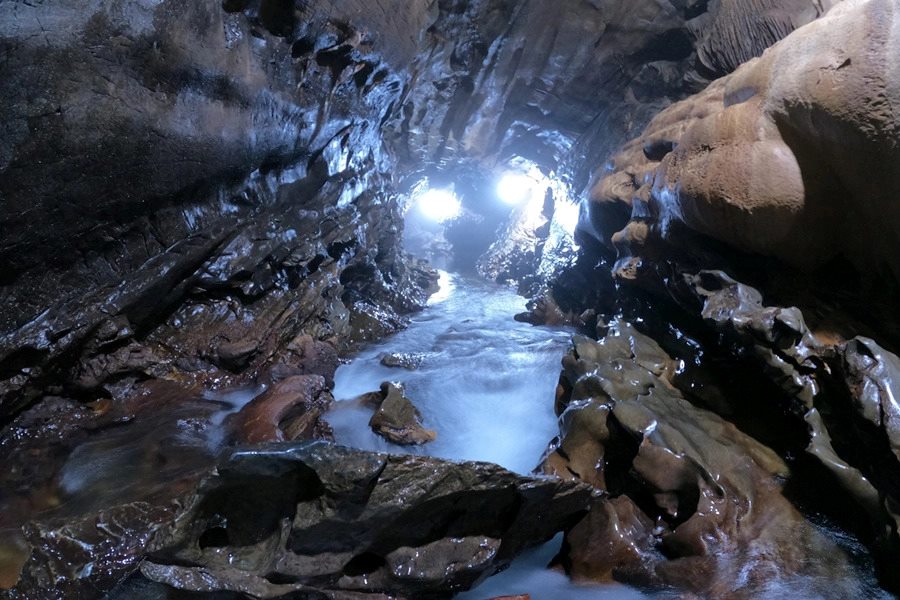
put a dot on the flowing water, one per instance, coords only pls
(486, 384)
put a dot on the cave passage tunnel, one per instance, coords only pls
(449, 299)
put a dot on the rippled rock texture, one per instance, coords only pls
(691, 500)
(204, 183)
(792, 156)
(780, 175)
(200, 195)
(313, 519)
(556, 83)
(187, 188)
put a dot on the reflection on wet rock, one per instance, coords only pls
(396, 418)
(320, 519)
(289, 410)
(691, 500)
(403, 360)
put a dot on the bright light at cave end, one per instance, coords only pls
(515, 188)
(439, 205)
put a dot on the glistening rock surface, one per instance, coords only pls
(324, 520)
(791, 156)
(234, 163)
(208, 194)
(692, 501)
(184, 187)
(397, 419)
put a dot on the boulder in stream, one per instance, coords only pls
(402, 360)
(307, 520)
(289, 410)
(397, 419)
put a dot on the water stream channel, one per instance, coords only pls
(486, 384)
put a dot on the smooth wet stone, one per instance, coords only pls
(692, 501)
(313, 518)
(842, 388)
(289, 410)
(403, 360)
(82, 558)
(290, 518)
(397, 419)
(614, 542)
(305, 355)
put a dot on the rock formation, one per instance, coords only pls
(790, 156)
(396, 418)
(290, 410)
(315, 519)
(202, 211)
(403, 360)
(692, 501)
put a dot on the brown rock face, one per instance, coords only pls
(310, 520)
(792, 156)
(397, 420)
(188, 188)
(691, 500)
(290, 410)
(165, 182)
(559, 82)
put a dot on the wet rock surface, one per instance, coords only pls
(403, 360)
(192, 167)
(283, 520)
(396, 418)
(229, 191)
(204, 198)
(730, 232)
(588, 76)
(289, 410)
(771, 159)
(691, 500)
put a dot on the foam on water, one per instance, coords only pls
(486, 383)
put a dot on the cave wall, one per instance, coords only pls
(566, 84)
(750, 231)
(190, 167)
(223, 160)
(204, 193)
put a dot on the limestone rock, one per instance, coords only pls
(323, 519)
(691, 496)
(789, 157)
(168, 175)
(289, 410)
(403, 360)
(398, 420)
(319, 518)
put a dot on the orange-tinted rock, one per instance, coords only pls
(792, 156)
(614, 542)
(289, 410)
(397, 419)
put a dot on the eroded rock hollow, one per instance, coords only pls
(209, 207)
